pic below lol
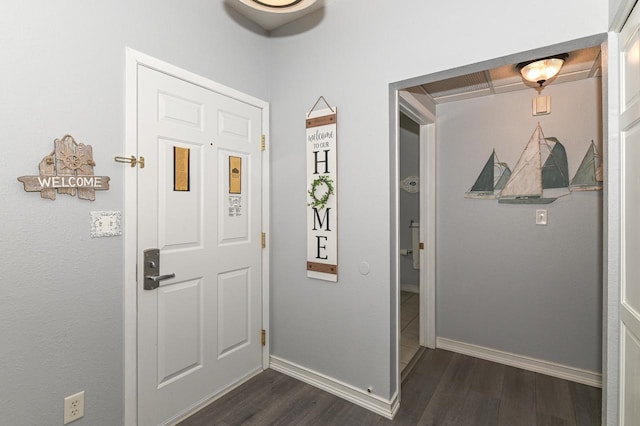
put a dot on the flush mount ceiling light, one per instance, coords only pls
(277, 3)
(278, 6)
(541, 70)
(271, 14)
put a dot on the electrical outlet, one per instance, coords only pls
(73, 407)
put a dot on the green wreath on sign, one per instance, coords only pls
(319, 182)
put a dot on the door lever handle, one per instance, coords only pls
(158, 278)
(151, 274)
(151, 282)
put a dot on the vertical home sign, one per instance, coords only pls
(322, 195)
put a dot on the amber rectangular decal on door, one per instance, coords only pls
(180, 169)
(235, 175)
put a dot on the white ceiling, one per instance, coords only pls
(583, 63)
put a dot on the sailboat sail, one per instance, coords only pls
(484, 183)
(525, 180)
(599, 175)
(487, 185)
(589, 174)
(555, 170)
(533, 182)
(504, 177)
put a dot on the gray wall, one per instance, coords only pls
(350, 53)
(409, 203)
(61, 310)
(504, 282)
(61, 292)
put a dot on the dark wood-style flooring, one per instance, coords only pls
(443, 388)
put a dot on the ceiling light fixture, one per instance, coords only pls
(277, 3)
(278, 6)
(271, 14)
(541, 70)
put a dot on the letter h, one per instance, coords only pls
(325, 161)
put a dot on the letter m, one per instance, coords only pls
(317, 221)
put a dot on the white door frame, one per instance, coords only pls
(413, 108)
(134, 59)
(611, 237)
(424, 115)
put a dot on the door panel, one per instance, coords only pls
(234, 226)
(630, 371)
(630, 268)
(631, 151)
(179, 330)
(173, 108)
(199, 332)
(234, 313)
(180, 220)
(234, 126)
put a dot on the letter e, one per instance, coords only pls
(320, 247)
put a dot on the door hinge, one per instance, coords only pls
(263, 240)
(421, 246)
(263, 337)
(263, 143)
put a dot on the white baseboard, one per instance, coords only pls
(526, 363)
(376, 404)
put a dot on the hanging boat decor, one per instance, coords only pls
(492, 179)
(541, 174)
(322, 193)
(589, 174)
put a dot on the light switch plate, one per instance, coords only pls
(541, 217)
(105, 224)
(541, 105)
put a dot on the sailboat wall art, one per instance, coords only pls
(540, 176)
(492, 179)
(589, 174)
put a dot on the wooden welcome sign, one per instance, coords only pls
(67, 170)
(322, 193)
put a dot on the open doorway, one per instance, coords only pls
(417, 234)
(468, 301)
(410, 268)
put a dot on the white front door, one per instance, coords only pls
(630, 223)
(199, 204)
